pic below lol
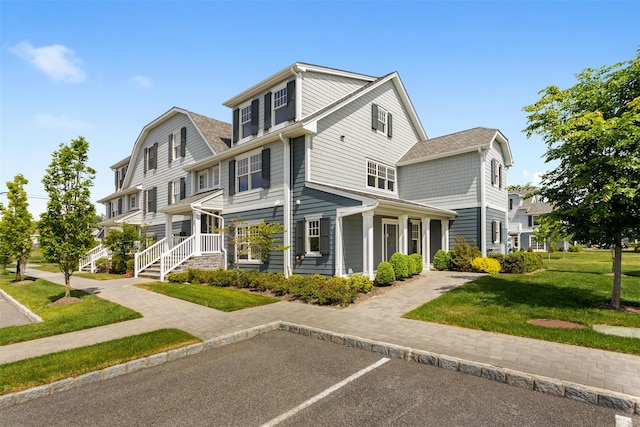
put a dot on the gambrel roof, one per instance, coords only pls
(457, 143)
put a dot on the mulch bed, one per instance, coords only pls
(64, 301)
(23, 282)
(553, 323)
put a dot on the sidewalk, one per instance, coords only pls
(377, 319)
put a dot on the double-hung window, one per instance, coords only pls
(380, 176)
(496, 231)
(280, 106)
(244, 235)
(215, 177)
(175, 145)
(203, 180)
(245, 121)
(382, 120)
(249, 172)
(415, 237)
(313, 236)
(537, 245)
(175, 191)
(133, 202)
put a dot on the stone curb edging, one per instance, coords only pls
(618, 401)
(555, 387)
(23, 396)
(21, 308)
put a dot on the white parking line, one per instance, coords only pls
(623, 421)
(324, 394)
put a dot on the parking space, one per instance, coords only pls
(287, 379)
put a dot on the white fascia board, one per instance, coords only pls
(198, 203)
(130, 190)
(121, 163)
(506, 148)
(445, 213)
(422, 135)
(346, 194)
(444, 155)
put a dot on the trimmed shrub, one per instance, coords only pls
(463, 254)
(521, 262)
(575, 248)
(486, 265)
(442, 260)
(385, 273)
(360, 284)
(416, 264)
(335, 290)
(103, 265)
(178, 277)
(400, 265)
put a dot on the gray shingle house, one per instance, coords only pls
(523, 213)
(339, 158)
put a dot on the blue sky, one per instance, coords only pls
(105, 69)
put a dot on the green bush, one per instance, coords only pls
(131, 265)
(463, 254)
(486, 265)
(178, 277)
(521, 262)
(385, 273)
(575, 248)
(415, 264)
(442, 260)
(360, 284)
(636, 249)
(103, 265)
(335, 290)
(400, 266)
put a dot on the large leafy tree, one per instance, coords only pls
(17, 225)
(592, 130)
(65, 227)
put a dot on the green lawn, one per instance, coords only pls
(576, 288)
(90, 312)
(100, 276)
(223, 299)
(45, 369)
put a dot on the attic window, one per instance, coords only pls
(280, 105)
(245, 121)
(381, 120)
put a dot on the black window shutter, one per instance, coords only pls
(500, 176)
(232, 177)
(530, 221)
(155, 155)
(291, 100)
(374, 116)
(155, 198)
(169, 192)
(116, 180)
(267, 111)
(203, 224)
(143, 202)
(183, 141)
(300, 249)
(170, 145)
(389, 124)
(146, 155)
(183, 188)
(324, 236)
(266, 168)
(255, 109)
(236, 124)
(120, 206)
(493, 231)
(108, 210)
(493, 171)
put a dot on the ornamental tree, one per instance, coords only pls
(17, 225)
(65, 227)
(592, 130)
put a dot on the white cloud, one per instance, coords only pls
(56, 61)
(537, 178)
(143, 81)
(61, 122)
(525, 173)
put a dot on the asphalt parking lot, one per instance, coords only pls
(280, 378)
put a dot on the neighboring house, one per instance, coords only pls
(339, 158)
(523, 215)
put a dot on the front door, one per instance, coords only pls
(436, 237)
(390, 237)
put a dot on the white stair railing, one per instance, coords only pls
(210, 243)
(104, 253)
(177, 255)
(86, 260)
(150, 255)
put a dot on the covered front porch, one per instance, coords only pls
(384, 228)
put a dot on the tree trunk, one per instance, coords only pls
(67, 288)
(18, 271)
(617, 273)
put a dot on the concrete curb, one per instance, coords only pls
(609, 399)
(24, 310)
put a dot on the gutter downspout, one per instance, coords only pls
(287, 205)
(483, 202)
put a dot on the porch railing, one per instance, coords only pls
(210, 243)
(90, 258)
(150, 255)
(177, 255)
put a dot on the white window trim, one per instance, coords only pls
(389, 221)
(386, 180)
(497, 236)
(411, 239)
(207, 174)
(250, 260)
(385, 123)
(237, 177)
(175, 149)
(175, 191)
(533, 241)
(241, 137)
(307, 245)
(283, 123)
(215, 177)
(134, 204)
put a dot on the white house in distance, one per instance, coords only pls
(523, 214)
(339, 158)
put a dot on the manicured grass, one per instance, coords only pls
(223, 299)
(48, 267)
(100, 276)
(91, 311)
(576, 288)
(45, 369)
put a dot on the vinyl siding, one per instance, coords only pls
(496, 196)
(466, 225)
(320, 90)
(353, 244)
(344, 162)
(448, 183)
(493, 214)
(275, 263)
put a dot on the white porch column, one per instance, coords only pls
(168, 229)
(196, 218)
(339, 247)
(445, 234)
(403, 234)
(426, 243)
(367, 243)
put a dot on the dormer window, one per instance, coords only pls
(245, 121)
(280, 105)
